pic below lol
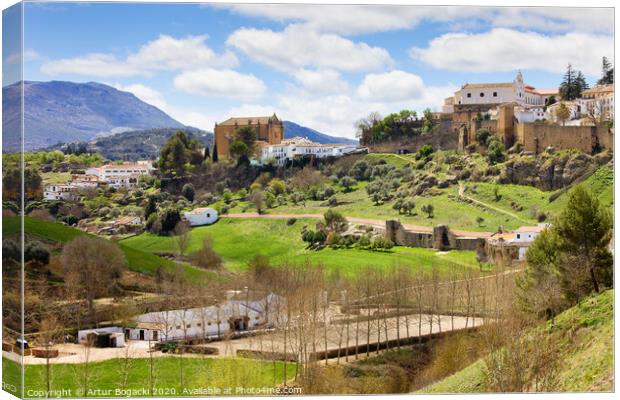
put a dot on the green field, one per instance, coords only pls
(173, 376)
(239, 240)
(137, 260)
(586, 351)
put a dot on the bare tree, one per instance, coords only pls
(182, 237)
(93, 265)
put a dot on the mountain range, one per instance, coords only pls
(59, 112)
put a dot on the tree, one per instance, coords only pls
(408, 206)
(479, 220)
(93, 267)
(425, 151)
(206, 257)
(607, 76)
(176, 154)
(151, 206)
(347, 183)
(572, 84)
(182, 237)
(215, 157)
(584, 231)
(562, 113)
(238, 149)
(428, 209)
(169, 220)
(188, 191)
(256, 198)
(247, 135)
(12, 183)
(334, 221)
(482, 136)
(277, 186)
(495, 151)
(428, 120)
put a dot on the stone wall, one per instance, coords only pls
(536, 137)
(442, 137)
(440, 239)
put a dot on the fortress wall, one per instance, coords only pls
(536, 137)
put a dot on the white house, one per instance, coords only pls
(58, 192)
(598, 101)
(516, 91)
(121, 175)
(529, 114)
(201, 216)
(525, 235)
(240, 313)
(298, 146)
(102, 337)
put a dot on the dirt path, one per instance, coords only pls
(499, 210)
(366, 221)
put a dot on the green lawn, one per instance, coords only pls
(55, 178)
(169, 374)
(137, 260)
(238, 241)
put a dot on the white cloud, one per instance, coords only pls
(222, 83)
(359, 19)
(505, 50)
(163, 53)
(336, 114)
(323, 81)
(298, 46)
(391, 86)
(146, 94)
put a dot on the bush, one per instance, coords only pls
(495, 152)
(425, 151)
(482, 136)
(380, 243)
(291, 221)
(188, 192)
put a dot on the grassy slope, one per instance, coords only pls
(238, 241)
(137, 260)
(197, 373)
(585, 365)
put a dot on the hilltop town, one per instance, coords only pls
(324, 268)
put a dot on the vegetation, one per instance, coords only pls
(282, 244)
(169, 379)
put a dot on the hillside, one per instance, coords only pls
(142, 144)
(585, 333)
(59, 111)
(292, 129)
(137, 260)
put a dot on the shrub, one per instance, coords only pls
(425, 151)
(347, 183)
(291, 221)
(380, 242)
(277, 186)
(482, 136)
(188, 192)
(495, 152)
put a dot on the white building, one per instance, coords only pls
(239, 314)
(574, 109)
(201, 216)
(525, 235)
(289, 149)
(102, 337)
(598, 101)
(58, 192)
(529, 114)
(497, 93)
(121, 175)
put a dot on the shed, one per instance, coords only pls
(201, 216)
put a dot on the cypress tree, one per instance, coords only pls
(215, 157)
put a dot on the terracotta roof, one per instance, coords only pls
(250, 120)
(487, 85)
(548, 91)
(531, 228)
(600, 89)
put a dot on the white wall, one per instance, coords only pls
(206, 217)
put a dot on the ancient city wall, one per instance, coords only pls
(536, 137)
(440, 239)
(443, 137)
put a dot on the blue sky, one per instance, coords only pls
(321, 66)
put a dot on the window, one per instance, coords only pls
(468, 94)
(178, 326)
(199, 324)
(518, 236)
(494, 94)
(188, 325)
(481, 94)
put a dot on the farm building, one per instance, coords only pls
(102, 337)
(244, 311)
(201, 216)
